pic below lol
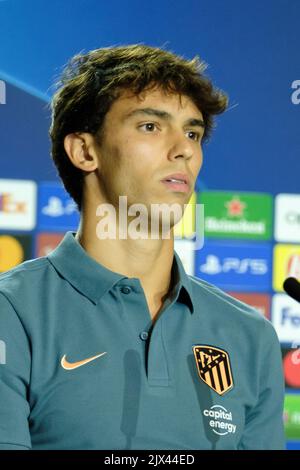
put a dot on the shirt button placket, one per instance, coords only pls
(144, 335)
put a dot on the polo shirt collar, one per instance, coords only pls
(93, 279)
(183, 284)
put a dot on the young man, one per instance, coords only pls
(109, 343)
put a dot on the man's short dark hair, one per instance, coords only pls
(91, 82)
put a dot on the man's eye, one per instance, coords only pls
(148, 126)
(194, 135)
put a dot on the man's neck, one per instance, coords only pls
(149, 260)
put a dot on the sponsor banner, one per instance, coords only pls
(242, 267)
(292, 416)
(185, 228)
(17, 204)
(185, 250)
(287, 218)
(291, 367)
(56, 209)
(286, 263)
(47, 242)
(261, 302)
(237, 215)
(14, 249)
(286, 318)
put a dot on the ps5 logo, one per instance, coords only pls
(2, 92)
(2, 352)
(214, 265)
(295, 97)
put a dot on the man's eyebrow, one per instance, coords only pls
(163, 115)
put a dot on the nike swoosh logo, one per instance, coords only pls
(73, 365)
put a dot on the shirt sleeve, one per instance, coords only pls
(15, 365)
(264, 428)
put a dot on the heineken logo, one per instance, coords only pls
(231, 215)
(242, 226)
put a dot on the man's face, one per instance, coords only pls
(145, 139)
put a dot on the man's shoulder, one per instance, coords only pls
(23, 275)
(225, 305)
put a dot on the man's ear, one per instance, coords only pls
(81, 151)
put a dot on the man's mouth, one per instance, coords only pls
(176, 185)
(177, 182)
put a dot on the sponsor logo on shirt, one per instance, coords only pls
(220, 420)
(237, 215)
(213, 367)
(74, 365)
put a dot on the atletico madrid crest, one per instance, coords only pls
(214, 368)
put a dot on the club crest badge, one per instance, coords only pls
(213, 365)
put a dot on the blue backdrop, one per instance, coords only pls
(252, 52)
(252, 49)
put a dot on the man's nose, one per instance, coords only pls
(180, 147)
